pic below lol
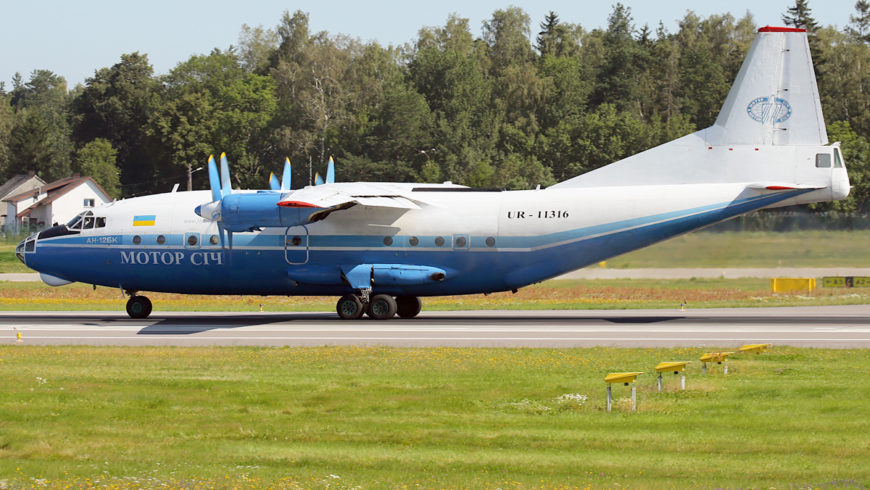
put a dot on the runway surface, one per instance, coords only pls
(837, 326)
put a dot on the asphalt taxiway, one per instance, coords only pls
(827, 326)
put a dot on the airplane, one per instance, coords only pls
(380, 247)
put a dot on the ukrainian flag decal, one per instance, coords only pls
(144, 220)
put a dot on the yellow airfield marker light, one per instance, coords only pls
(718, 358)
(18, 337)
(678, 367)
(625, 378)
(754, 348)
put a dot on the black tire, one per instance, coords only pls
(138, 307)
(349, 307)
(381, 307)
(408, 306)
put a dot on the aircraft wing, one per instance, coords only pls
(335, 197)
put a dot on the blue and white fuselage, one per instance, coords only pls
(397, 242)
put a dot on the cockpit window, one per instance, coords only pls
(82, 220)
(101, 222)
(75, 223)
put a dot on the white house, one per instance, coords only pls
(56, 202)
(14, 186)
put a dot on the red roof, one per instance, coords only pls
(781, 29)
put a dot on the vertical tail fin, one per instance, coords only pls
(770, 129)
(774, 99)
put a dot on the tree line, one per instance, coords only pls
(511, 108)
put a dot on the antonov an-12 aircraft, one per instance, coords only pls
(381, 246)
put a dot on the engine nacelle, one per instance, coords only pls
(246, 211)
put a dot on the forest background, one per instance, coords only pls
(512, 108)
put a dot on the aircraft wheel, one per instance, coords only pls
(138, 307)
(408, 306)
(349, 307)
(381, 307)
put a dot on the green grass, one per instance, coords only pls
(556, 294)
(8, 262)
(446, 417)
(754, 249)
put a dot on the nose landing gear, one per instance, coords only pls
(138, 306)
(378, 307)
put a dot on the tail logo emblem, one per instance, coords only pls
(769, 110)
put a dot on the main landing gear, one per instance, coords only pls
(138, 306)
(378, 306)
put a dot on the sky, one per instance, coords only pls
(76, 38)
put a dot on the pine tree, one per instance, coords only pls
(547, 39)
(859, 23)
(800, 16)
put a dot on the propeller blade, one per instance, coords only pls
(273, 182)
(318, 180)
(330, 172)
(287, 175)
(213, 179)
(226, 189)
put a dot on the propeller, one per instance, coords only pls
(220, 188)
(318, 180)
(226, 187)
(330, 172)
(286, 178)
(213, 179)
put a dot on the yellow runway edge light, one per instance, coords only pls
(756, 348)
(715, 356)
(621, 377)
(676, 367)
(628, 379)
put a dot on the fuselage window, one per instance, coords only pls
(101, 222)
(490, 241)
(213, 239)
(161, 239)
(388, 241)
(823, 160)
(460, 241)
(838, 162)
(439, 241)
(191, 240)
(137, 240)
(414, 241)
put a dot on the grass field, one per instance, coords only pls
(555, 294)
(755, 249)
(706, 249)
(8, 261)
(350, 417)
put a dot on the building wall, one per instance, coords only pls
(32, 183)
(72, 203)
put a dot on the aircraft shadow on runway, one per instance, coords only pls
(191, 325)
